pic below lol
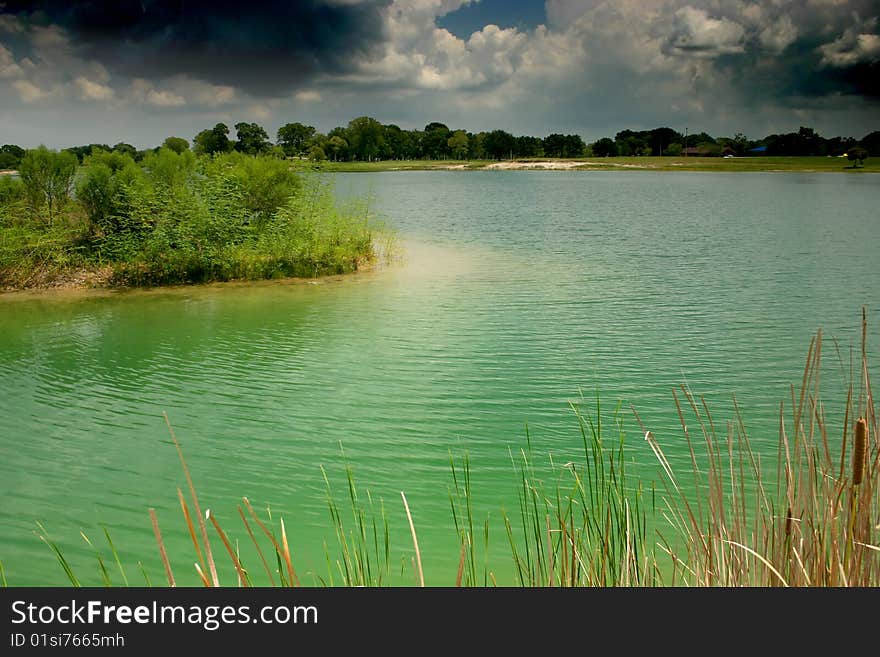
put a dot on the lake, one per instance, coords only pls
(514, 294)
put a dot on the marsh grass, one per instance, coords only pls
(730, 519)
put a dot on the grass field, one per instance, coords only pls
(803, 164)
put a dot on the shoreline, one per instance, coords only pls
(780, 164)
(85, 282)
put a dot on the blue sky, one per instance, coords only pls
(74, 72)
(521, 14)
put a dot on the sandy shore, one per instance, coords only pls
(534, 164)
(558, 165)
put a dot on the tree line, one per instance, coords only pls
(366, 139)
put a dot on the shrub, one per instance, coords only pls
(168, 168)
(48, 177)
(265, 183)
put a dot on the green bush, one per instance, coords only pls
(264, 183)
(182, 218)
(168, 168)
(11, 190)
(48, 178)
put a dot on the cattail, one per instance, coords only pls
(859, 450)
(788, 522)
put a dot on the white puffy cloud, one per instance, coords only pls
(28, 91)
(701, 35)
(9, 68)
(850, 49)
(91, 90)
(308, 96)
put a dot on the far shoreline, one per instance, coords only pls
(771, 164)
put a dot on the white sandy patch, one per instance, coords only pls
(537, 164)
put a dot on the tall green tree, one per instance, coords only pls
(605, 147)
(48, 177)
(170, 169)
(366, 138)
(294, 138)
(337, 146)
(83, 152)
(871, 143)
(458, 144)
(126, 149)
(176, 144)
(499, 144)
(435, 141)
(857, 155)
(215, 140)
(251, 139)
(10, 156)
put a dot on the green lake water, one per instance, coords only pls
(515, 293)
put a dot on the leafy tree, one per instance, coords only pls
(48, 177)
(458, 144)
(410, 147)
(698, 138)
(435, 141)
(838, 145)
(529, 147)
(553, 145)
(170, 169)
(394, 141)
(10, 156)
(499, 144)
(251, 139)
(294, 138)
(632, 143)
(574, 146)
(605, 147)
(82, 152)
(115, 160)
(337, 146)
(366, 138)
(263, 183)
(316, 154)
(126, 149)
(557, 145)
(11, 189)
(673, 150)
(660, 138)
(870, 142)
(477, 147)
(96, 192)
(215, 140)
(176, 144)
(277, 152)
(857, 156)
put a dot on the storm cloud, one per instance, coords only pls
(149, 68)
(261, 47)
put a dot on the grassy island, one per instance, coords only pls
(174, 217)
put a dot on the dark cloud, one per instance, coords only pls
(797, 51)
(266, 48)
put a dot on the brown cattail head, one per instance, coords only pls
(859, 450)
(788, 522)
